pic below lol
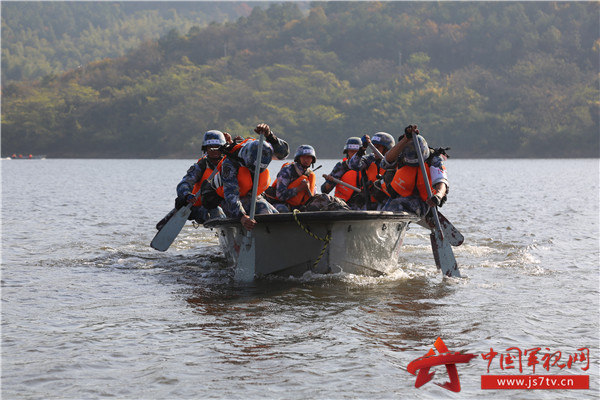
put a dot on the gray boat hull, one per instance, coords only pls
(360, 242)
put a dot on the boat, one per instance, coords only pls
(322, 242)
(292, 244)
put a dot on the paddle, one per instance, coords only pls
(375, 151)
(442, 250)
(451, 234)
(246, 266)
(339, 182)
(169, 231)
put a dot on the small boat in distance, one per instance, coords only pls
(28, 157)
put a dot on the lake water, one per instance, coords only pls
(89, 310)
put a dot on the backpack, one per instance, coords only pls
(325, 202)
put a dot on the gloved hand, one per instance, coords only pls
(434, 201)
(182, 201)
(365, 141)
(410, 130)
(378, 192)
(304, 187)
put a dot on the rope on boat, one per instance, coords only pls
(326, 239)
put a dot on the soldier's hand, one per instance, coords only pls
(182, 201)
(263, 129)
(247, 222)
(410, 130)
(366, 139)
(434, 201)
(303, 186)
(227, 138)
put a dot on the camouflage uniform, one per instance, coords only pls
(184, 188)
(338, 170)
(360, 162)
(414, 203)
(232, 204)
(356, 202)
(287, 175)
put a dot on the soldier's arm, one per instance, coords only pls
(283, 181)
(337, 173)
(281, 149)
(231, 190)
(193, 175)
(358, 162)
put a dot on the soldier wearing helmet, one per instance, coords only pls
(407, 187)
(370, 170)
(231, 185)
(295, 183)
(212, 143)
(343, 172)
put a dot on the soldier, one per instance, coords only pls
(231, 185)
(343, 172)
(189, 185)
(407, 187)
(295, 183)
(370, 169)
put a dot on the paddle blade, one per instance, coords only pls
(163, 238)
(444, 256)
(450, 232)
(246, 263)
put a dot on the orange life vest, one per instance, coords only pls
(351, 177)
(244, 176)
(405, 180)
(372, 173)
(197, 185)
(302, 197)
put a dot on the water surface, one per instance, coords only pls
(89, 310)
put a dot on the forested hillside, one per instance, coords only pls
(489, 79)
(49, 37)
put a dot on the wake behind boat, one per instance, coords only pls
(286, 244)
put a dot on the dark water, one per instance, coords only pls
(89, 310)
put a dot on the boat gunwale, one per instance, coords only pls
(319, 216)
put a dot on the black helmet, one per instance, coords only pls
(305, 150)
(249, 151)
(213, 139)
(409, 154)
(384, 139)
(353, 143)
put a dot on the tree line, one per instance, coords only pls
(41, 38)
(488, 79)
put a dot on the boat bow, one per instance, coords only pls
(357, 242)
